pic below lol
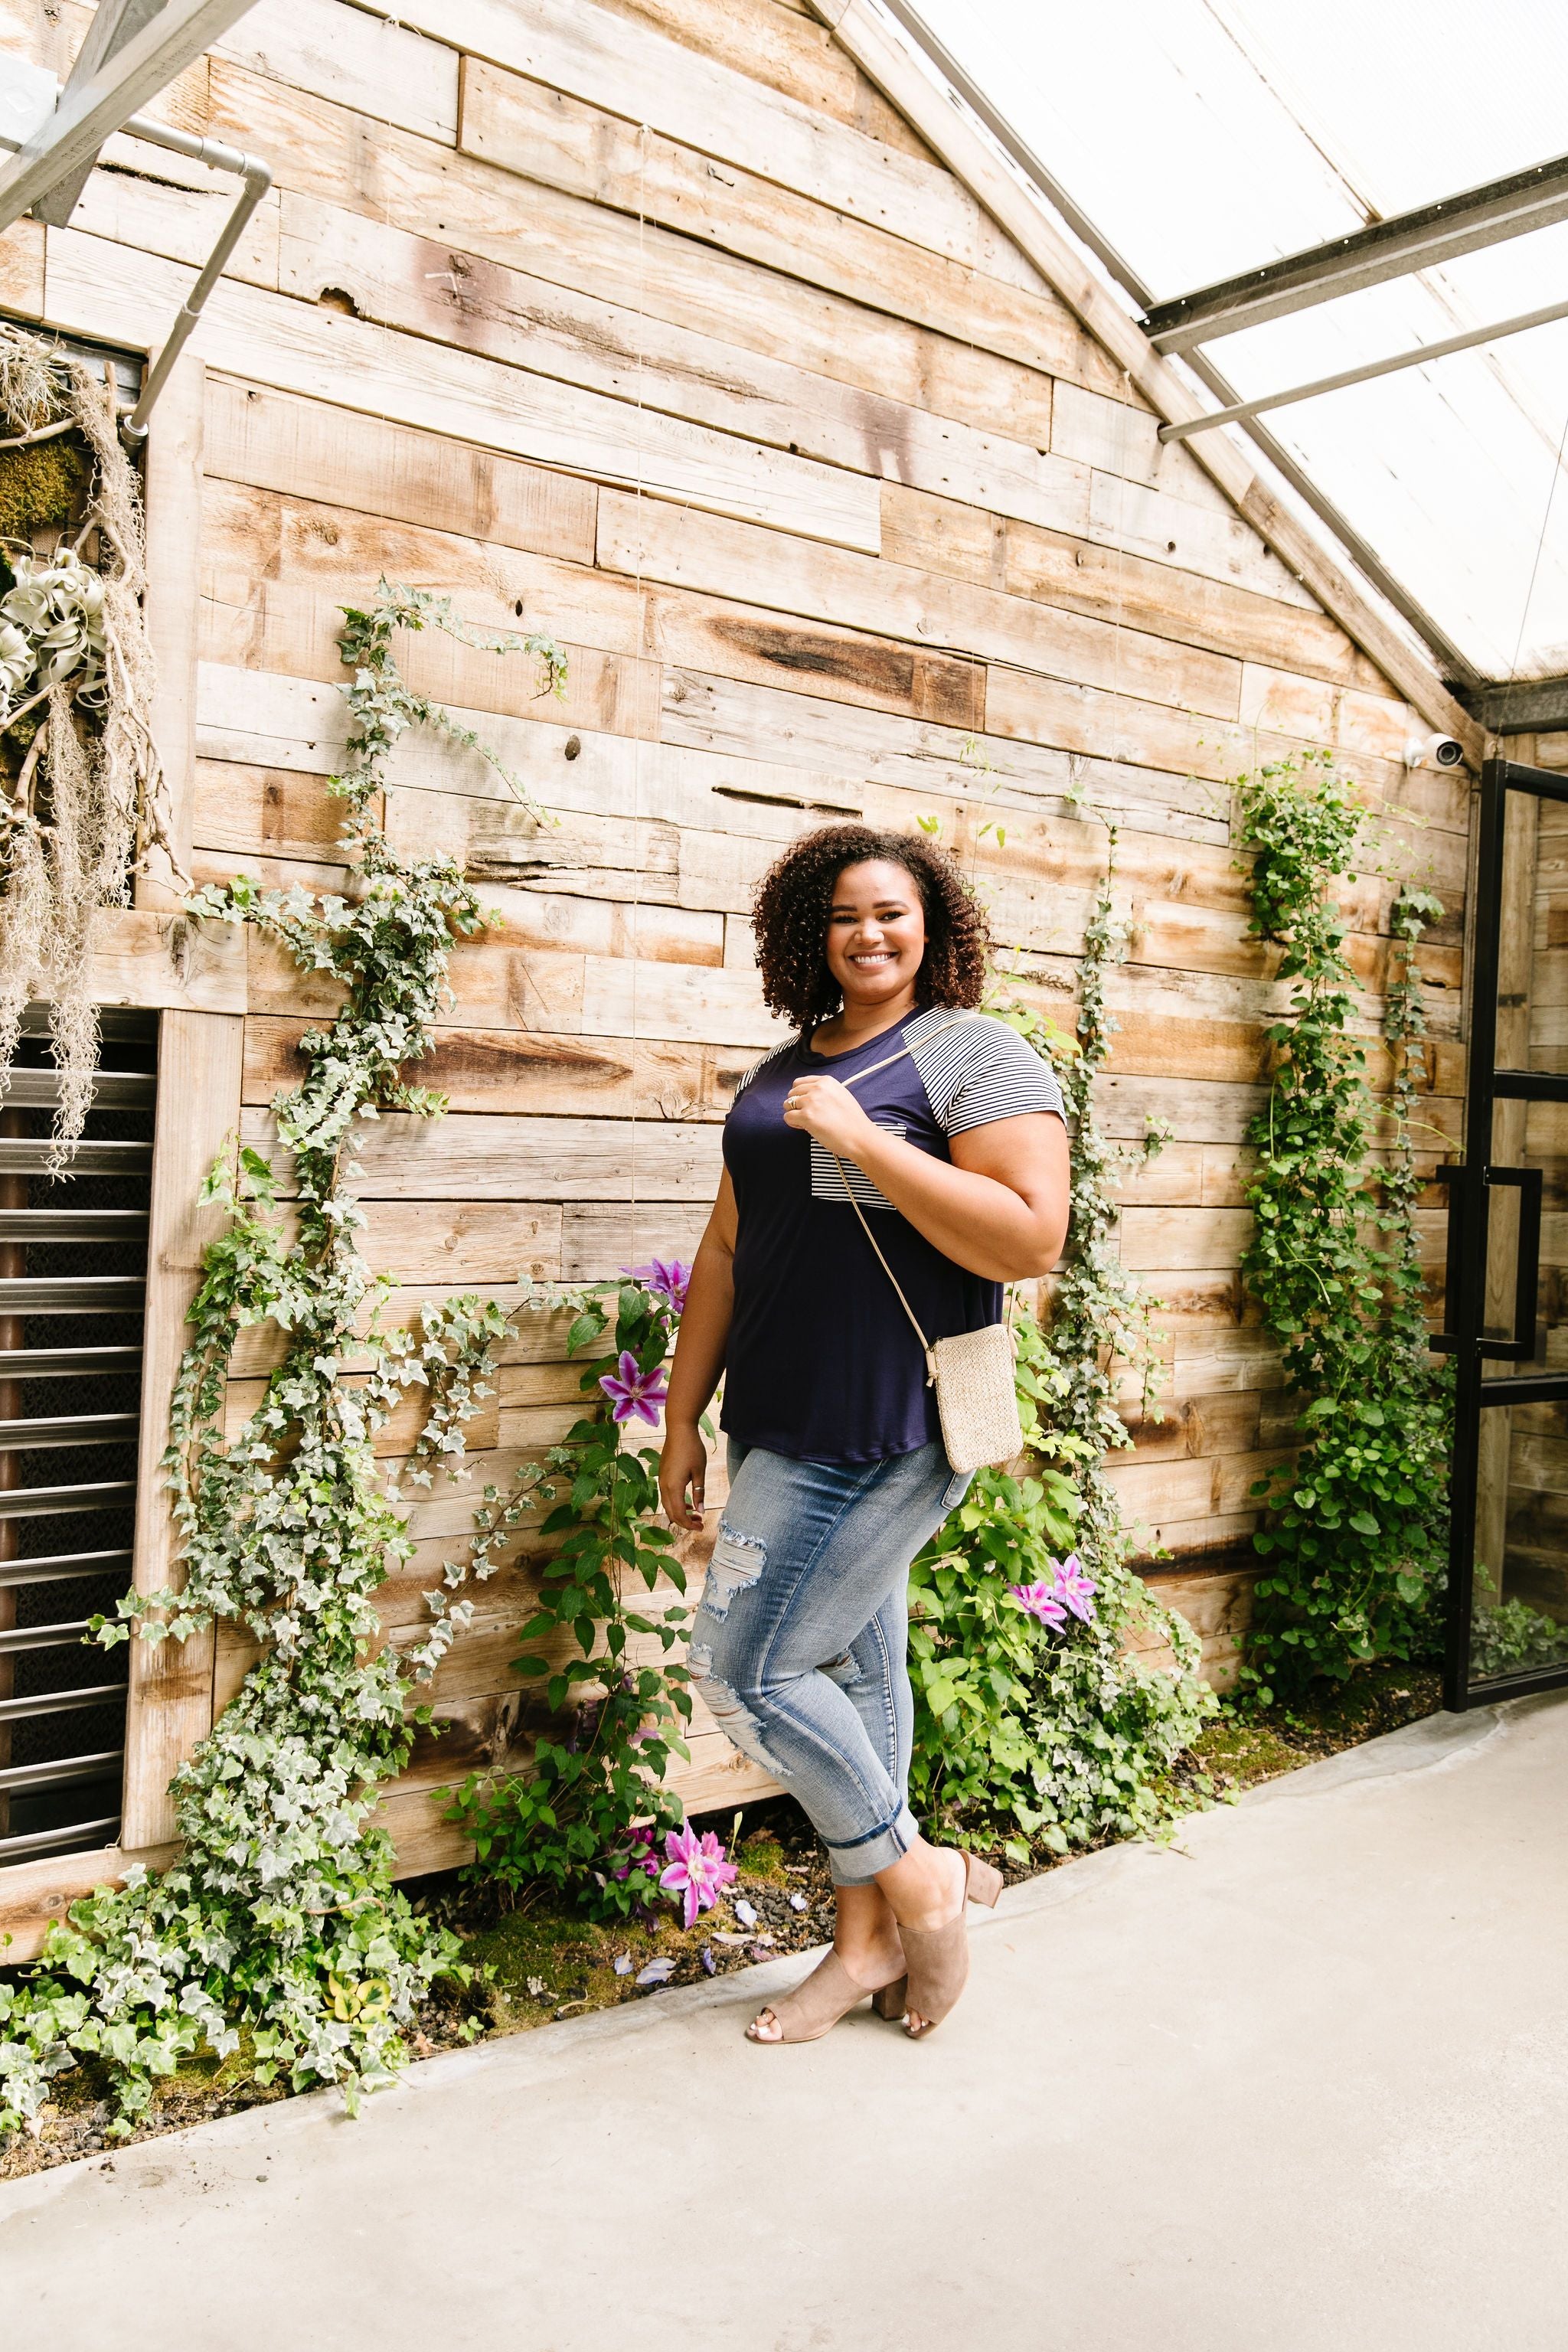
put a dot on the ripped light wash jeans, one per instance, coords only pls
(800, 1644)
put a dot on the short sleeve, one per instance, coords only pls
(778, 1054)
(979, 1070)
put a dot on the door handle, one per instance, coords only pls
(1521, 1348)
(1527, 1183)
(1443, 1343)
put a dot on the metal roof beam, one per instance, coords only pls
(1387, 249)
(1528, 706)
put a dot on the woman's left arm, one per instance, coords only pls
(999, 1209)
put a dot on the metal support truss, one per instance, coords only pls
(1387, 249)
(1240, 410)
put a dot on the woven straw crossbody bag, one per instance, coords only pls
(971, 1372)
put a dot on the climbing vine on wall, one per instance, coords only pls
(1030, 1712)
(81, 800)
(279, 1925)
(617, 1701)
(1356, 1531)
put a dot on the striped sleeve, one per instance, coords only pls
(979, 1070)
(766, 1062)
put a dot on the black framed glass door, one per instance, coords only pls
(1507, 1312)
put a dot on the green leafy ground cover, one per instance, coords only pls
(538, 1964)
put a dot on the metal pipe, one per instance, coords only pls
(257, 178)
(1242, 409)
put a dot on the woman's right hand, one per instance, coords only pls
(683, 1463)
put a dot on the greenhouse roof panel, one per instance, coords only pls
(1205, 137)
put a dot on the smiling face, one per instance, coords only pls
(876, 933)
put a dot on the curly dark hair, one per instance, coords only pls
(795, 898)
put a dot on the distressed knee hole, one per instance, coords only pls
(730, 1713)
(842, 1670)
(737, 1560)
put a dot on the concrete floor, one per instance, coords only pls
(1295, 2085)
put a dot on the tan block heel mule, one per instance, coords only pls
(939, 1957)
(828, 1993)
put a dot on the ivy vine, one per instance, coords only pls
(595, 1793)
(1356, 1531)
(280, 1927)
(1043, 1724)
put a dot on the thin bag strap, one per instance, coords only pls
(844, 1177)
(876, 1244)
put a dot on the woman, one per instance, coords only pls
(949, 1132)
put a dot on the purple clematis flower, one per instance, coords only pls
(697, 1869)
(666, 1280)
(1074, 1587)
(1040, 1600)
(635, 1390)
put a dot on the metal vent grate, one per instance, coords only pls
(73, 1267)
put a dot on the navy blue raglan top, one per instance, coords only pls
(822, 1364)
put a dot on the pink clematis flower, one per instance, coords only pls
(635, 1390)
(697, 1869)
(1074, 1587)
(1039, 1601)
(666, 1280)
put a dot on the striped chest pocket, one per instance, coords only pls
(827, 1184)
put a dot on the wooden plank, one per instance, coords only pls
(22, 267)
(281, 627)
(34, 1895)
(776, 46)
(627, 70)
(380, 67)
(1188, 798)
(1173, 1237)
(173, 506)
(1364, 725)
(597, 1239)
(319, 149)
(141, 956)
(1189, 534)
(313, 450)
(1081, 718)
(92, 286)
(1163, 1494)
(422, 285)
(733, 716)
(470, 1158)
(170, 1704)
(146, 201)
(1134, 591)
(534, 1337)
(264, 811)
(894, 600)
(296, 632)
(507, 1071)
(882, 56)
(549, 137)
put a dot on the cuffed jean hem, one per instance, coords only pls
(857, 1865)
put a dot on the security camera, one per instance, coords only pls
(1434, 751)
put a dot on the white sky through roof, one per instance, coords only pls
(1204, 137)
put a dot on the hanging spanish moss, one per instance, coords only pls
(79, 779)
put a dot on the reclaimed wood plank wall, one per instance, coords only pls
(652, 324)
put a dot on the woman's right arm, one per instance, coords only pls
(699, 1348)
